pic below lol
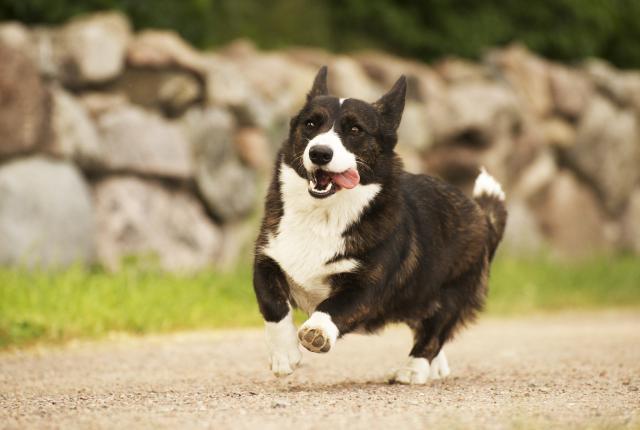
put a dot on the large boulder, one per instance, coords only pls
(227, 186)
(570, 90)
(414, 129)
(522, 236)
(527, 74)
(170, 91)
(24, 103)
(162, 49)
(623, 87)
(226, 85)
(46, 216)
(466, 137)
(16, 35)
(141, 218)
(93, 48)
(73, 133)
(455, 70)
(253, 148)
(139, 141)
(631, 223)
(571, 218)
(607, 151)
(348, 79)
(424, 84)
(461, 119)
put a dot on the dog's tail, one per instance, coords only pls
(487, 192)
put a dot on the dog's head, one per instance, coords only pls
(340, 143)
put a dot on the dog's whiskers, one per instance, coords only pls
(363, 164)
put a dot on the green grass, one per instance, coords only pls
(45, 306)
(534, 285)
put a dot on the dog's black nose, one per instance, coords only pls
(320, 154)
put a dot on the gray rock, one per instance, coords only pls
(348, 79)
(170, 91)
(414, 129)
(571, 218)
(135, 217)
(74, 135)
(522, 236)
(571, 91)
(536, 176)
(527, 74)
(253, 148)
(164, 49)
(140, 141)
(24, 104)
(226, 86)
(97, 103)
(226, 185)
(455, 70)
(607, 151)
(15, 35)
(623, 87)
(93, 47)
(461, 118)
(46, 216)
(631, 223)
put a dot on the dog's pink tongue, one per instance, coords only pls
(347, 179)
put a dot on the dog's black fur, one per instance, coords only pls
(424, 248)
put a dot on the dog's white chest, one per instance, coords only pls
(310, 234)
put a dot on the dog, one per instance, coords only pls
(356, 242)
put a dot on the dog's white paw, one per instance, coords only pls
(284, 352)
(416, 371)
(439, 366)
(283, 364)
(318, 333)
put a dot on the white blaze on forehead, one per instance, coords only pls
(342, 159)
(342, 101)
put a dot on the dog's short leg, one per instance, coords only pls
(272, 292)
(439, 366)
(427, 359)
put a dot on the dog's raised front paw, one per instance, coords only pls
(318, 333)
(416, 371)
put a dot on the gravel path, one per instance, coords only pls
(565, 370)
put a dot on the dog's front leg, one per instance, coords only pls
(335, 316)
(271, 290)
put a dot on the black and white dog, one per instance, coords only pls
(356, 242)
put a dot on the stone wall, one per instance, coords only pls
(115, 143)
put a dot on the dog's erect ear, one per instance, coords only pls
(319, 84)
(391, 104)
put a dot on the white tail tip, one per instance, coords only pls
(486, 185)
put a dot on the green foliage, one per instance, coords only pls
(566, 30)
(79, 303)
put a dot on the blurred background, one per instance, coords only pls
(137, 138)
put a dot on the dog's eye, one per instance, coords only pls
(355, 130)
(310, 124)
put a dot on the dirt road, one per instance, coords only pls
(570, 371)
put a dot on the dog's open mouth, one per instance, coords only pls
(323, 184)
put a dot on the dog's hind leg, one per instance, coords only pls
(427, 359)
